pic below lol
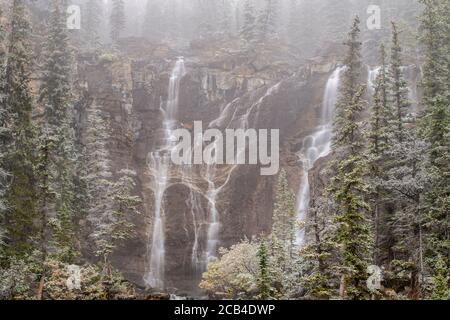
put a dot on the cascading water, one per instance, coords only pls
(211, 173)
(159, 165)
(316, 146)
(213, 223)
(371, 79)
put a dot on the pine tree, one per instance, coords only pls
(398, 86)
(348, 186)
(404, 185)
(117, 19)
(93, 21)
(56, 161)
(112, 228)
(381, 115)
(435, 127)
(403, 181)
(98, 171)
(263, 279)
(248, 30)
(266, 22)
(284, 214)
(316, 255)
(3, 133)
(282, 239)
(440, 280)
(378, 139)
(110, 203)
(19, 159)
(225, 17)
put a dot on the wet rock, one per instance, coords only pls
(261, 86)
(158, 296)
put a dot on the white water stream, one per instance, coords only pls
(316, 146)
(160, 163)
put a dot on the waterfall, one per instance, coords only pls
(371, 79)
(213, 223)
(218, 177)
(316, 146)
(159, 165)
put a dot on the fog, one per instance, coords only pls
(306, 25)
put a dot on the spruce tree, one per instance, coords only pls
(19, 143)
(353, 237)
(56, 162)
(4, 131)
(264, 278)
(404, 185)
(378, 142)
(435, 127)
(98, 172)
(404, 182)
(267, 21)
(110, 202)
(398, 86)
(316, 255)
(441, 278)
(112, 228)
(282, 239)
(94, 10)
(248, 30)
(284, 214)
(117, 19)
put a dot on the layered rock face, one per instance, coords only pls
(224, 89)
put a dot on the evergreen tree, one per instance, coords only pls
(110, 203)
(348, 186)
(404, 185)
(98, 170)
(263, 279)
(282, 238)
(283, 227)
(3, 133)
(19, 143)
(398, 86)
(381, 114)
(248, 31)
(117, 19)
(315, 257)
(224, 10)
(56, 161)
(378, 138)
(266, 22)
(440, 290)
(94, 10)
(435, 127)
(112, 228)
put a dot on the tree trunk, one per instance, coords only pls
(343, 287)
(40, 289)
